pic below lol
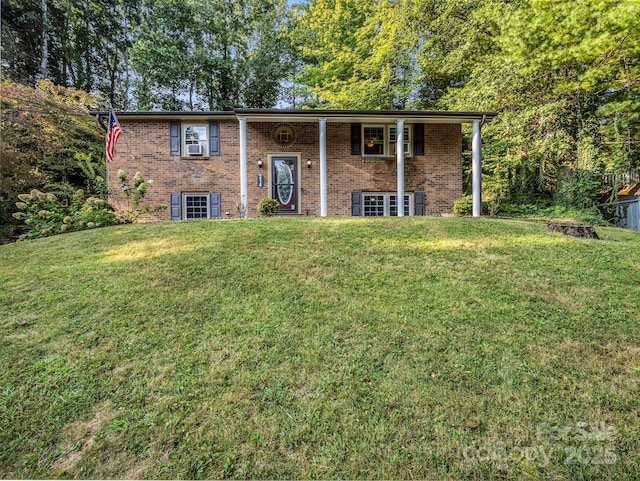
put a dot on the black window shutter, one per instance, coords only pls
(174, 201)
(356, 139)
(214, 205)
(356, 203)
(174, 138)
(214, 138)
(419, 203)
(418, 139)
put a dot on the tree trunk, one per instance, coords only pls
(44, 65)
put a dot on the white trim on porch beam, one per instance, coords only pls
(476, 168)
(323, 167)
(243, 166)
(400, 160)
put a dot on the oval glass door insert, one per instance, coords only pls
(284, 184)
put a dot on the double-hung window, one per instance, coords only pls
(380, 140)
(385, 204)
(373, 138)
(196, 206)
(195, 139)
(393, 141)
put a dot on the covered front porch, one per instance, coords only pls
(279, 142)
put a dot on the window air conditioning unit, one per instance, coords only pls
(194, 149)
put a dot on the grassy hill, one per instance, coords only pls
(321, 348)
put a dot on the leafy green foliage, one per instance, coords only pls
(564, 77)
(463, 206)
(357, 53)
(552, 71)
(546, 212)
(578, 188)
(268, 207)
(45, 215)
(169, 54)
(222, 54)
(134, 195)
(49, 142)
(94, 175)
(79, 43)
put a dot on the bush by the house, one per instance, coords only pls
(134, 196)
(463, 206)
(268, 207)
(45, 214)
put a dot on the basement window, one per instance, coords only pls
(378, 204)
(196, 206)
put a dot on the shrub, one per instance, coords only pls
(463, 206)
(135, 196)
(577, 188)
(6, 209)
(268, 207)
(44, 214)
(544, 211)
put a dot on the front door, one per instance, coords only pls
(285, 183)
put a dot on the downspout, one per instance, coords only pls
(101, 123)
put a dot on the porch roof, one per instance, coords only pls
(308, 115)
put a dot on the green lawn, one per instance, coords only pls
(321, 348)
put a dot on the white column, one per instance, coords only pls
(476, 169)
(323, 167)
(400, 159)
(243, 165)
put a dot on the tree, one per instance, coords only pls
(359, 53)
(455, 35)
(564, 77)
(166, 54)
(47, 139)
(76, 43)
(214, 55)
(22, 30)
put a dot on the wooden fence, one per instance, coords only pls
(620, 179)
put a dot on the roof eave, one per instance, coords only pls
(299, 115)
(306, 115)
(169, 115)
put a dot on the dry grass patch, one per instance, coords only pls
(78, 439)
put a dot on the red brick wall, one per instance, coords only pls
(144, 147)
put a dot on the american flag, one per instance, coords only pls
(113, 134)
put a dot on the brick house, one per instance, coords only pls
(314, 162)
